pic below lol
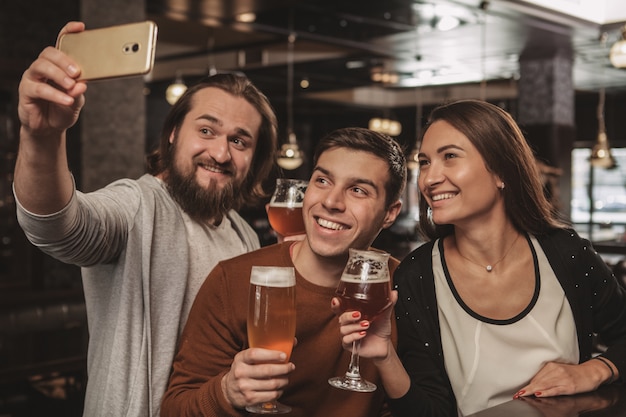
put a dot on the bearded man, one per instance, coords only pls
(145, 246)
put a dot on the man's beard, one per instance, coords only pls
(202, 204)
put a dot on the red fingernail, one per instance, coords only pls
(356, 314)
(365, 324)
(521, 392)
(362, 333)
(538, 394)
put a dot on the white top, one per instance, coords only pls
(488, 360)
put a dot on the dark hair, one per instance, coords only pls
(507, 154)
(265, 154)
(378, 144)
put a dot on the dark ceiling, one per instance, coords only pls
(340, 44)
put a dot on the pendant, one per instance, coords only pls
(489, 268)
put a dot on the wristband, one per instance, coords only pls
(604, 361)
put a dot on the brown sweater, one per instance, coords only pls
(216, 331)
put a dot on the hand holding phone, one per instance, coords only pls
(112, 52)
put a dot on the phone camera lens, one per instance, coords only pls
(131, 48)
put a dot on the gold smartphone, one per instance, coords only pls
(112, 52)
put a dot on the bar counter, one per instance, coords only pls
(607, 401)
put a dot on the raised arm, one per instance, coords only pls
(50, 100)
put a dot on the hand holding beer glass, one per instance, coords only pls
(364, 287)
(285, 208)
(272, 318)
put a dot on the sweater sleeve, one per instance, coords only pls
(91, 229)
(608, 305)
(419, 341)
(213, 330)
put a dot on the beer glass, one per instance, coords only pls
(272, 318)
(285, 208)
(364, 287)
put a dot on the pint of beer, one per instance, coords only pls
(272, 318)
(272, 308)
(285, 209)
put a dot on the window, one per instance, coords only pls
(607, 190)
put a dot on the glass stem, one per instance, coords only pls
(353, 370)
(269, 406)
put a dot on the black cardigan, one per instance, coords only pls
(598, 304)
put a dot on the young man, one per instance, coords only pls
(145, 245)
(354, 192)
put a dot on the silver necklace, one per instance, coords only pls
(489, 267)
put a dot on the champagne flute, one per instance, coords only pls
(364, 287)
(285, 209)
(272, 318)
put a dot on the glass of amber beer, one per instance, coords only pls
(272, 318)
(285, 208)
(364, 287)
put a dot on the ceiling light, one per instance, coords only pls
(412, 161)
(601, 156)
(385, 77)
(447, 23)
(617, 54)
(431, 15)
(290, 156)
(385, 125)
(175, 90)
(246, 17)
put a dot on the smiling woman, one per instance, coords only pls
(498, 150)
(502, 277)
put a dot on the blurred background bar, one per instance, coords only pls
(556, 66)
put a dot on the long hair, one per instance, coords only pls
(378, 144)
(264, 158)
(507, 154)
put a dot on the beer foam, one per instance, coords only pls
(370, 279)
(286, 204)
(273, 276)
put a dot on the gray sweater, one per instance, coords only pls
(143, 260)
